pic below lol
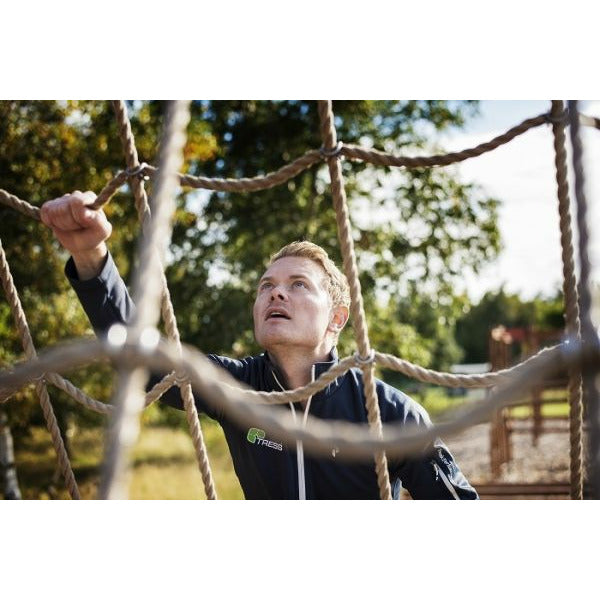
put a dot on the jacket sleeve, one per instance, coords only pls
(106, 301)
(104, 298)
(434, 475)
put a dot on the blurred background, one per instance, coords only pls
(447, 256)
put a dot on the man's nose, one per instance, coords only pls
(278, 292)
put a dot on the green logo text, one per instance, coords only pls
(257, 436)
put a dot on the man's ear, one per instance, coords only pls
(339, 318)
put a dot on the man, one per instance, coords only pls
(301, 307)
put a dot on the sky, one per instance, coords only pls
(521, 175)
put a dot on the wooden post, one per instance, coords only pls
(7, 461)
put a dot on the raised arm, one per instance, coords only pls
(93, 274)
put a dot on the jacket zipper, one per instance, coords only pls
(446, 481)
(299, 446)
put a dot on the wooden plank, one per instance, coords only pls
(523, 490)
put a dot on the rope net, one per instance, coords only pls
(139, 347)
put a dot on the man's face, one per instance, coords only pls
(293, 307)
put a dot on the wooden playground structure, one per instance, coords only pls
(506, 347)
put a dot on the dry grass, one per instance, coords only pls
(164, 465)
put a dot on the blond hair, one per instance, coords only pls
(337, 284)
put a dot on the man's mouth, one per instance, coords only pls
(277, 314)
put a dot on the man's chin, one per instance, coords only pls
(270, 342)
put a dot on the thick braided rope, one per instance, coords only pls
(287, 172)
(571, 306)
(82, 398)
(64, 384)
(252, 184)
(40, 387)
(387, 361)
(329, 136)
(168, 314)
(164, 385)
(147, 294)
(244, 184)
(451, 379)
(588, 332)
(20, 205)
(379, 158)
(589, 121)
(78, 395)
(131, 158)
(354, 441)
(413, 371)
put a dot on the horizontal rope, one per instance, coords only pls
(354, 441)
(300, 394)
(290, 170)
(589, 121)
(66, 386)
(87, 401)
(244, 184)
(379, 158)
(77, 394)
(484, 380)
(19, 205)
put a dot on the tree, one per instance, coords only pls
(500, 308)
(48, 148)
(415, 231)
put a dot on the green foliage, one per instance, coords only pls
(500, 308)
(416, 231)
(48, 148)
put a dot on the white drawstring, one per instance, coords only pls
(299, 446)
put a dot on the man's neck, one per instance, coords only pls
(296, 365)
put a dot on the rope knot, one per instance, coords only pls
(559, 119)
(40, 379)
(181, 378)
(138, 171)
(363, 362)
(329, 152)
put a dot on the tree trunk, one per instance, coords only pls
(8, 471)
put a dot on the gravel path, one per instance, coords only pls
(545, 463)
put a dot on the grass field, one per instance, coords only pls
(164, 462)
(164, 465)
(438, 402)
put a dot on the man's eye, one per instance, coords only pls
(265, 286)
(299, 284)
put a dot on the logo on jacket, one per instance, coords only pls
(257, 436)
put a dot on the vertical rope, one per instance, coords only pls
(588, 333)
(329, 137)
(168, 314)
(129, 399)
(573, 325)
(40, 387)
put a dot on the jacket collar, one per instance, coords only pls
(274, 373)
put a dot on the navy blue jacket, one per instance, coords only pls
(268, 468)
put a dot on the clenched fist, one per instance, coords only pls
(79, 229)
